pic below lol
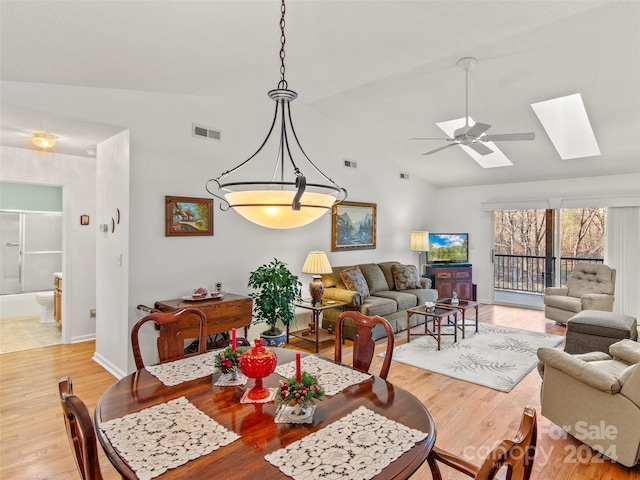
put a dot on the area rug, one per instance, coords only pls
(496, 357)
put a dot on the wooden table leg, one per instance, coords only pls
(455, 326)
(316, 314)
(408, 327)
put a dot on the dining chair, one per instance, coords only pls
(171, 340)
(82, 436)
(510, 460)
(363, 343)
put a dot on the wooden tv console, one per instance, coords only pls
(449, 277)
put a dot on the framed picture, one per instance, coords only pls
(353, 226)
(188, 217)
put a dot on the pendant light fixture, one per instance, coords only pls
(286, 199)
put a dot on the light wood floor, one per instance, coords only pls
(33, 443)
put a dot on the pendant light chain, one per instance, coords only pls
(285, 203)
(283, 40)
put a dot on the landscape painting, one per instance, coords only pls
(188, 216)
(353, 226)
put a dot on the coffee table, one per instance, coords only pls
(436, 316)
(462, 307)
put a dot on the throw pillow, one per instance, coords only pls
(354, 280)
(405, 277)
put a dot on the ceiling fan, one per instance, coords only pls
(474, 136)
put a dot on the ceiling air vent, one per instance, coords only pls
(404, 176)
(350, 164)
(205, 132)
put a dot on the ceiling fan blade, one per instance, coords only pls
(432, 138)
(478, 129)
(508, 136)
(481, 148)
(438, 149)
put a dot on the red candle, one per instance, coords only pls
(298, 373)
(233, 340)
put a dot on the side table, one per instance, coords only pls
(321, 335)
(436, 316)
(223, 314)
(462, 306)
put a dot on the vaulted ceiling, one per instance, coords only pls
(384, 70)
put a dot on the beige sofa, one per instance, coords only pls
(384, 299)
(595, 397)
(589, 287)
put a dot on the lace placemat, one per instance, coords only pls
(165, 436)
(333, 377)
(185, 369)
(358, 445)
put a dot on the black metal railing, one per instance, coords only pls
(525, 273)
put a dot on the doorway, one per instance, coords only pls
(534, 249)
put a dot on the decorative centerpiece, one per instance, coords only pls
(228, 362)
(258, 362)
(431, 306)
(299, 394)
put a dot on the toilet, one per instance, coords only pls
(45, 299)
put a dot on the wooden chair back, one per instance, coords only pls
(171, 340)
(363, 343)
(510, 460)
(82, 436)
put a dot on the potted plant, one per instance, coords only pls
(273, 301)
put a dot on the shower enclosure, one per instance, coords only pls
(30, 250)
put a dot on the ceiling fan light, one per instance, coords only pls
(43, 140)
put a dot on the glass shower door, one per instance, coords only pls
(41, 251)
(9, 252)
(31, 251)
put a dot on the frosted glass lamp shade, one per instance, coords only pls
(420, 241)
(272, 208)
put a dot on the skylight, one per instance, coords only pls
(492, 160)
(567, 124)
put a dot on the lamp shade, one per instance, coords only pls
(272, 208)
(420, 241)
(317, 263)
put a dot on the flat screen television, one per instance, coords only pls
(448, 248)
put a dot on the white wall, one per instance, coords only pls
(112, 254)
(77, 176)
(462, 210)
(166, 160)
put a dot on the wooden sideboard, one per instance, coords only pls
(447, 278)
(223, 314)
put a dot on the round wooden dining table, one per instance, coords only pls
(259, 434)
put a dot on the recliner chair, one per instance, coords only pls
(595, 397)
(589, 287)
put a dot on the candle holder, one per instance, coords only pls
(258, 362)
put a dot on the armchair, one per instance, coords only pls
(589, 287)
(595, 397)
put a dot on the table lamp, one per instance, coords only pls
(419, 243)
(316, 264)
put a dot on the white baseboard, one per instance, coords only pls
(108, 366)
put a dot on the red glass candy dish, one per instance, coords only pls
(258, 362)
